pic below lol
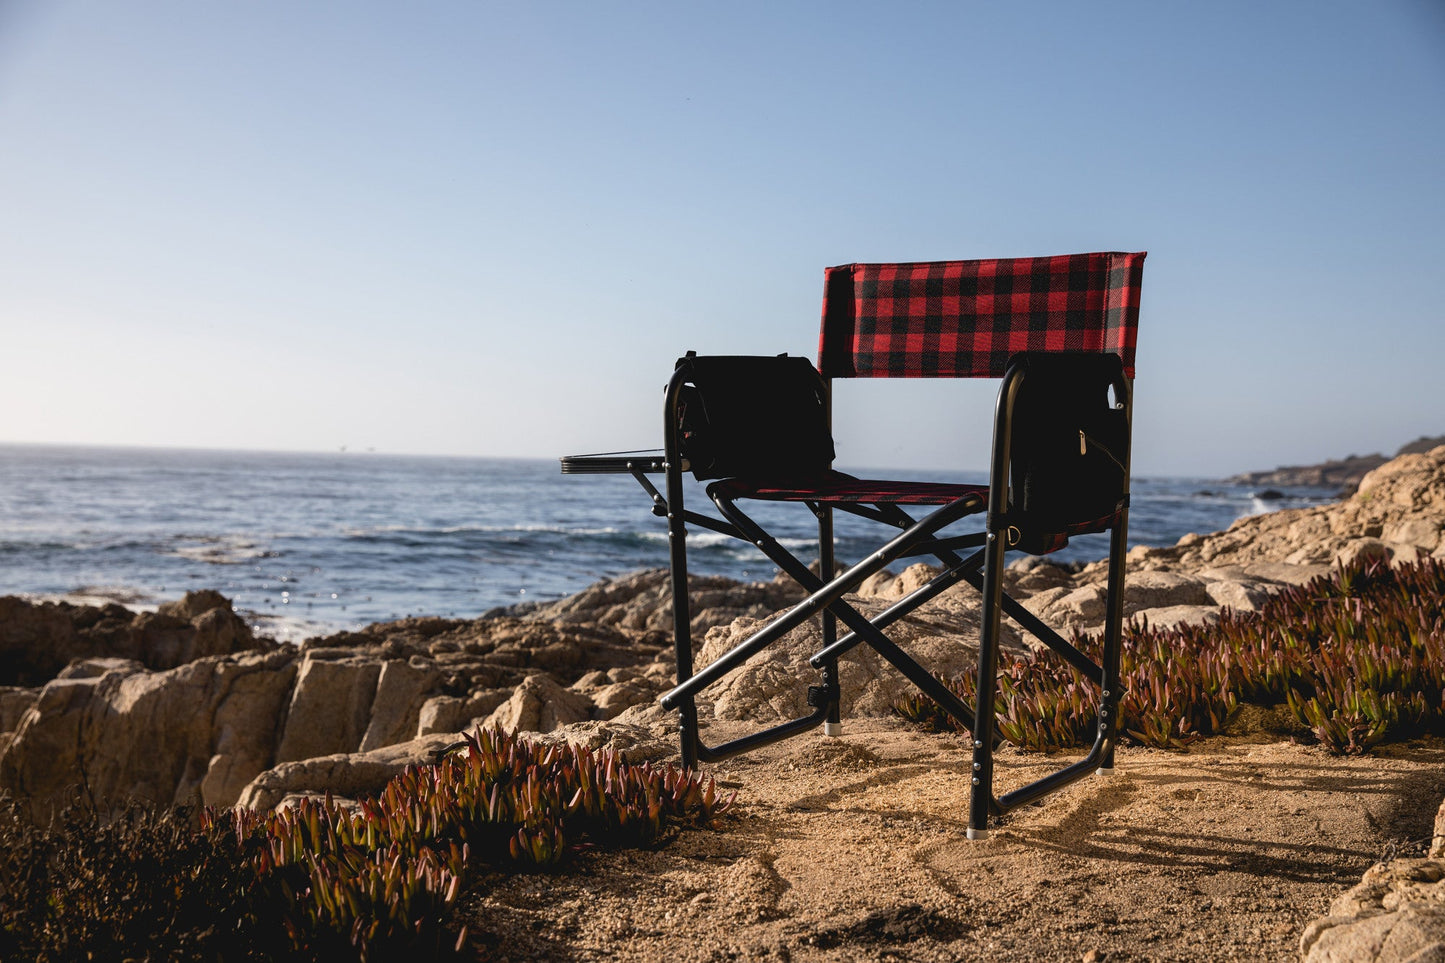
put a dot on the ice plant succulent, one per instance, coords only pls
(1357, 657)
(383, 878)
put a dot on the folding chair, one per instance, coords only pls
(1059, 331)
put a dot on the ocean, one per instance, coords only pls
(308, 544)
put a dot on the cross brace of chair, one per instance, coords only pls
(826, 599)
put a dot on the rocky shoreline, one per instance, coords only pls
(185, 703)
(1343, 473)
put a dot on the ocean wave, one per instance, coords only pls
(44, 545)
(719, 540)
(373, 531)
(99, 595)
(219, 549)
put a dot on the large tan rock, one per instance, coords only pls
(253, 692)
(1156, 589)
(540, 704)
(1168, 615)
(886, 585)
(1395, 914)
(455, 714)
(617, 697)
(642, 602)
(641, 734)
(207, 728)
(1400, 506)
(37, 640)
(401, 689)
(330, 707)
(41, 761)
(1265, 575)
(352, 775)
(1361, 550)
(133, 733)
(1424, 532)
(1081, 606)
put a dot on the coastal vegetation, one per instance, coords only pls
(326, 879)
(1351, 659)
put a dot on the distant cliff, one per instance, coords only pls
(1344, 474)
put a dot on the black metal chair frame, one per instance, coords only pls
(982, 569)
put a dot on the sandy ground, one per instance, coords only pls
(853, 848)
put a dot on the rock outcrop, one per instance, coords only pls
(37, 641)
(185, 704)
(1396, 914)
(1398, 513)
(1344, 473)
(124, 725)
(643, 603)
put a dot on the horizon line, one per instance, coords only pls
(348, 451)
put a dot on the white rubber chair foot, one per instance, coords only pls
(832, 728)
(1105, 773)
(977, 834)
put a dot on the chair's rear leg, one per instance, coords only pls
(833, 725)
(688, 733)
(1113, 643)
(981, 797)
(832, 683)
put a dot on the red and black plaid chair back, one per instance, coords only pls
(967, 319)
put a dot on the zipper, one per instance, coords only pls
(1084, 440)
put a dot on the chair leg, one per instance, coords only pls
(681, 610)
(981, 799)
(833, 724)
(823, 699)
(1113, 644)
(832, 682)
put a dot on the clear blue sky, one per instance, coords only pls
(486, 228)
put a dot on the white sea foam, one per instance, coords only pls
(371, 531)
(706, 539)
(101, 595)
(219, 549)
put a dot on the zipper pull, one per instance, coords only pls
(1083, 447)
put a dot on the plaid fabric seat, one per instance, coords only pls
(838, 488)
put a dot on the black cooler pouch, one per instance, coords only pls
(749, 416)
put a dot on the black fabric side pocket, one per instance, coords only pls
(745, 416)
(1070, 445)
